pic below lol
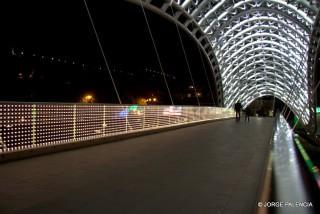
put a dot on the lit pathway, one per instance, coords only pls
(210, 168)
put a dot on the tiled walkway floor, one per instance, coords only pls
(210, 168)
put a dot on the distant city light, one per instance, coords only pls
(88, 98)
(152, 100)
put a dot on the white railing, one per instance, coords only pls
(26, 125)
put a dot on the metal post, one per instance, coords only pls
(1, 130)
(144, 116)
(192, 114)
(34, 124)
(158, 113)
(104, 120)
(74, 121)
(127, 120)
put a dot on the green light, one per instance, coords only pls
(312, 168)
(133, 108)
(318, 109)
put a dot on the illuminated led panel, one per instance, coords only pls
(261, 47)
(30, 126)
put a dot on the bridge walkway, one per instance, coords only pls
(210, 168)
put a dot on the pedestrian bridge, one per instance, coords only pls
(255, 49)
(210, 168)
(205, 162)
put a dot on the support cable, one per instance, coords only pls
(102, 51)
(186, 58)
(156, 51)
(206, 74)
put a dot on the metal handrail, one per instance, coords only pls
(290, 194)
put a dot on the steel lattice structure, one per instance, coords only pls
(257, 47)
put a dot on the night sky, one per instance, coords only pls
(51, 54)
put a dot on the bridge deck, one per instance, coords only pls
(211, 168)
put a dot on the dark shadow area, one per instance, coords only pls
(51, 54)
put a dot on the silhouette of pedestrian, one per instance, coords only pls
(247, 114)
(237, 108)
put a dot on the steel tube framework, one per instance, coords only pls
(267, 44)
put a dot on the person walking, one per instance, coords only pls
(237, 108)
(247, 114)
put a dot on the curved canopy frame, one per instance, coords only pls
(261, 48)
(257, 47)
